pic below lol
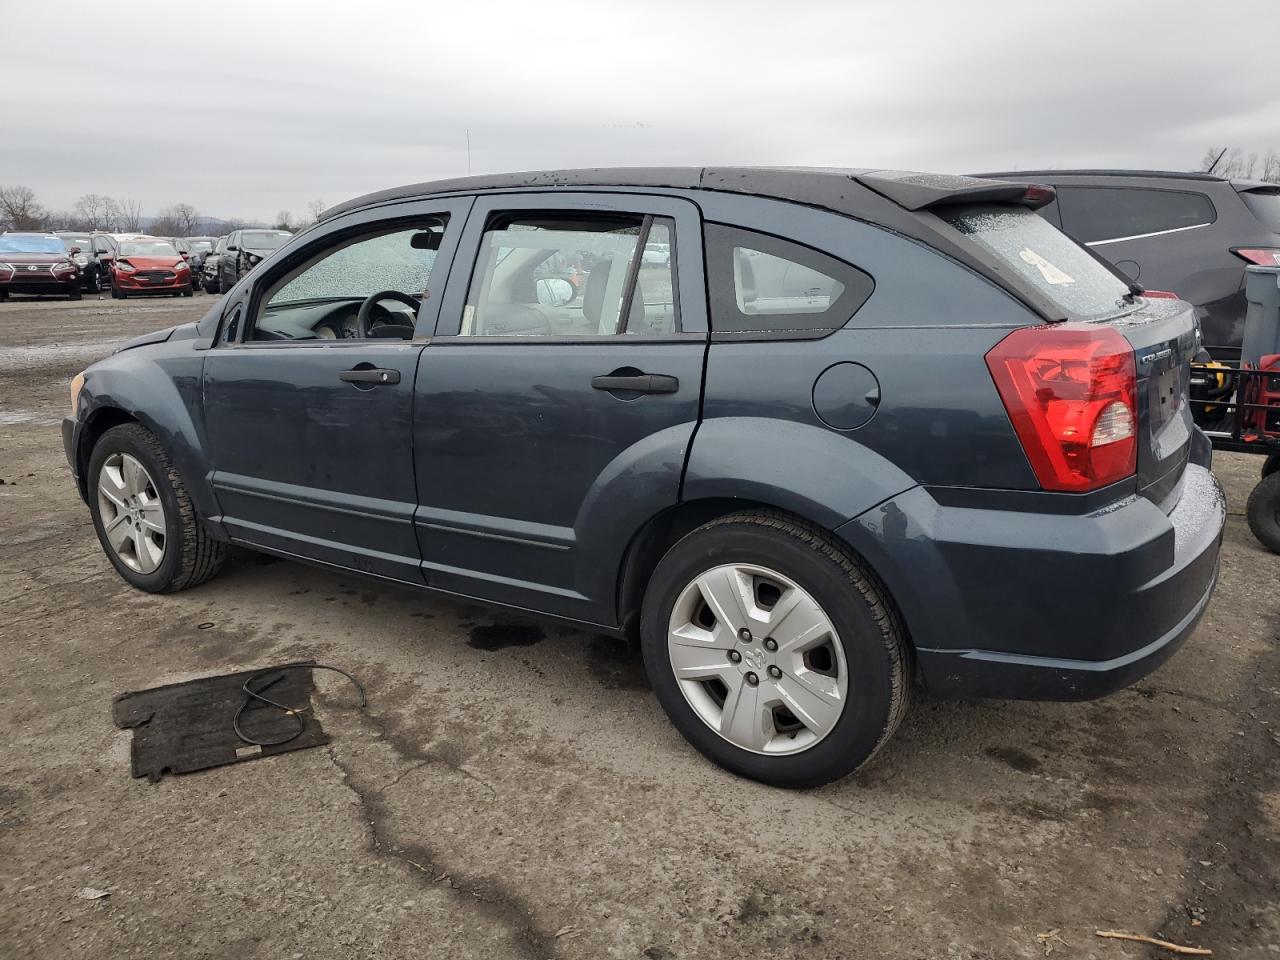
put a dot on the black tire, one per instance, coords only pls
(95, 282)
(874, 643)
(212, 286)
(74, 293)
(118, 294)
(189, 291)
(196, 556)
(1271, 464)
(1263, 511)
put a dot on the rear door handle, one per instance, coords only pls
(373, 375)
(639, 383)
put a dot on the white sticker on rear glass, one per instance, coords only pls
(1047, 270)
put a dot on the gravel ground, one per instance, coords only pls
(518, 793)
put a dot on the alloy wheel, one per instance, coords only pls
(758, 659)
(131, 512)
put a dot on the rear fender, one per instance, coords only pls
(823, 476)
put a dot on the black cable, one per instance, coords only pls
(251, 694)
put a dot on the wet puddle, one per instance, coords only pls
(22, 358)
(11, 417)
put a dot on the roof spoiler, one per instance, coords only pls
(922, 191)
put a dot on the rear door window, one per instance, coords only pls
(763, 284)
(1265, 206)
(1043, 256)
(1104, 214)
(560, 274)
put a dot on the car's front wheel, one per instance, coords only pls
(774, 651)
(143, 514)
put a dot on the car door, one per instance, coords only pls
(556, 403)
(308, 409)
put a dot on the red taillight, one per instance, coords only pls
(1159, 295)
(1072, 394)
(1262, 256)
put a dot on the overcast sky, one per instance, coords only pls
(244, 109)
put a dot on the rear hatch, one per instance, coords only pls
(1037, 259)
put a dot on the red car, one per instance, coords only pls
(36, 263)
(149, 265)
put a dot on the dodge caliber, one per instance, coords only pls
(817, 439)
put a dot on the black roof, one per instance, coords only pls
(1170, 174)
(855, 192)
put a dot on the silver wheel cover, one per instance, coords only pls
(757, 659)
(131, 512)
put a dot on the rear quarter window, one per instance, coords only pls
(1043, 256)
(761, 284)
(1101, 214)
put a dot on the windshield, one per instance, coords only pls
(1264, 206)
(84, 243)
(1041, 254)
(30, 243)
(200, 246)
(263, 239)
(147, 248)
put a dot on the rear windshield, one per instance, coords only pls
(200, 246)
(1266, 207)
(1059, 268)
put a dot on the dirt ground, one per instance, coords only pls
(518, 792)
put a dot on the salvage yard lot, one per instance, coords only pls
(515, 791)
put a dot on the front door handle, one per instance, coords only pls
(371, 375)
(637, 383)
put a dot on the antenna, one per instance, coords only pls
(1210, 170)
(468, 151)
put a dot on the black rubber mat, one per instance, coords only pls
(185, 727)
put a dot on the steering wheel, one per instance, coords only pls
(366, 308)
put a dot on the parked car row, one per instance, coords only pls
(129, 264)
(236, 254)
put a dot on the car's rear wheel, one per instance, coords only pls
(1263, 511)
(95, 282)
(773, 651)
(143, 515)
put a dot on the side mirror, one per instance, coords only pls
(554, 291)
(184, 255)
(231, 248)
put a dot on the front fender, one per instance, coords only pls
(825, 476)
(160, 386)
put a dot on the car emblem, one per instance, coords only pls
(33, 267)
(755, 659)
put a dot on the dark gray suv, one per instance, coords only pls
(1191, 234)
(813, 436)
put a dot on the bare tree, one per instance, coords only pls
(94, 211)
(314, 209)
(20, 210)
(284, 221)
(1271, 167)
(1231, 163)
(128, 215)
(186, 215)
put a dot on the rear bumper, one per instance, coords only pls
(1027, 605)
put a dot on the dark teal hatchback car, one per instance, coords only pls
(814, 437)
